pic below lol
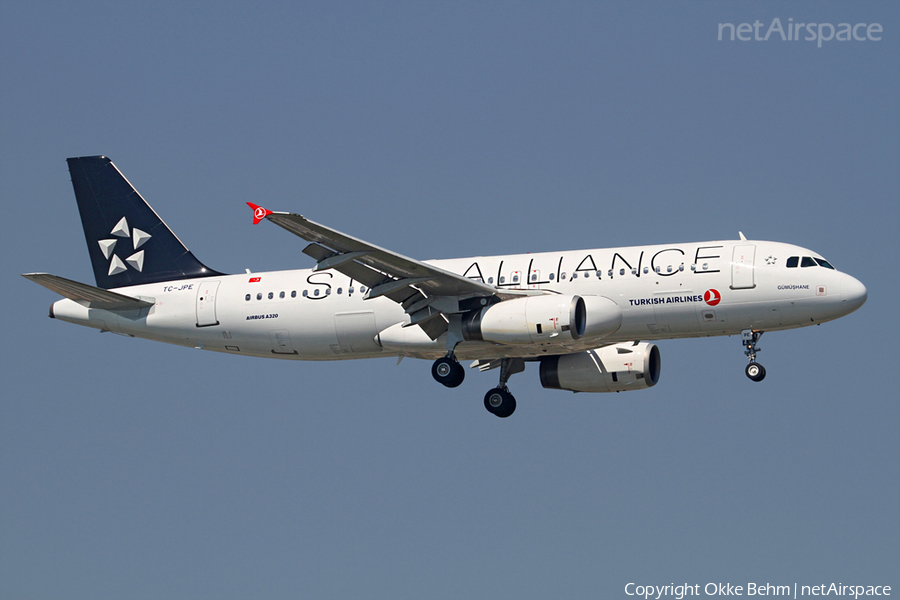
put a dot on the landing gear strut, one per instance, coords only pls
(754, 370)
(448, 371)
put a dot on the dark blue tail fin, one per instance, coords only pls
(129, 244)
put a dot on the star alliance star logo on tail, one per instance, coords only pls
(138, 238)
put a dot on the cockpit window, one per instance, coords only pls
(824, 263)
(807, 261)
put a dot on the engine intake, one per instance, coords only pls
(618, 368)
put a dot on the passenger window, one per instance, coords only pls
(281, 295)
(340, 290)
(316, 292)
(293, 293)
(327, 291)
(515, 279)
(259, 296)
(792, 262)
(304, 293)
(491, 279)
(552, 275)
(598, 274)
(271, 295)
(362, 288)
(807, 261)
(562, 276)
(247, 298)
(502, 279)
(574, 275)
(349, 291)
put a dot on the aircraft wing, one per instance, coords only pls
(92, 297)
(425, 291)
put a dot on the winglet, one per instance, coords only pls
(259, 213)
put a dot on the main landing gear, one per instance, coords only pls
(448, 371)
(754, 370)
(498, 401)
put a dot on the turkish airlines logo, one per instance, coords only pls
(712, 297)
(259, 213)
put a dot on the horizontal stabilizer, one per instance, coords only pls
(82, 293)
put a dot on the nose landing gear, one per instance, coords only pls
(754, 370)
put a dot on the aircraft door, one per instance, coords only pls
(206, 303)
(742, 267)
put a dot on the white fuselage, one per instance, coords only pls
(672, 291)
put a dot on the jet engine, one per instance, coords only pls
(618, 368)
(549, 318)
(529, 320)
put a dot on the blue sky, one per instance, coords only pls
(133, 469)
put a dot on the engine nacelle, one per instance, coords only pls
(529, 320)
(609, 369)
(549, 318)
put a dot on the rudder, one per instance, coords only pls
(128, 243)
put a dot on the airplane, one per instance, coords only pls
(587, 317)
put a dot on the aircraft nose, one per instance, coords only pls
(853, 293)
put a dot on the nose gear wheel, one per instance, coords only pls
(755, 371)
